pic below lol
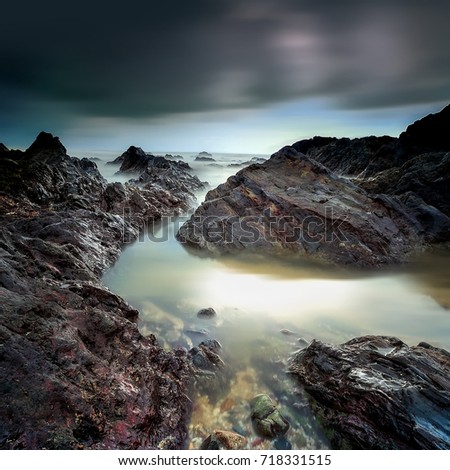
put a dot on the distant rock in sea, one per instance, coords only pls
(204, 159)
(248, 162)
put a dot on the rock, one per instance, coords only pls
(327, 218)
(204, 159)
(75, 371)
(223, 440)
(206, 313)
(266, 419)
(204, 154)
(430, 133)
(133, 160)
(211, 376)
(171, 176)
(375, 392)
(362, 156)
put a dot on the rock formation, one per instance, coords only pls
(363, 202)
(376, 392)
(75, 372)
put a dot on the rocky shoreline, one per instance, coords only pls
(75, 371)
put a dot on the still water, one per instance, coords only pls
(266, 309)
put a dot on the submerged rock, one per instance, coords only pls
(376, 392)
(211, 376)
(267, 420)
(224, 440)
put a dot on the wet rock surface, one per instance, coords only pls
(267, 420)
(376, 392)
(211, 375)
(361, 202)
(75, 372)
(292, 203)
(223, 440)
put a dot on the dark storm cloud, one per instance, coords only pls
(146, 59)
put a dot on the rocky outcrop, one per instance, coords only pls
(364, 202)
(133, 160)
(171, 176)
(159, 172)
(75, 372)
(293, 203)
(376, 392)
(430, 133)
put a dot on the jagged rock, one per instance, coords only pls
(75, 372)
(376, 392)
(294, 203)
(223, 440)
(211, 376)
(172, 176)
(206, 313)
(267, 420)
(364, 156)
(133, 160)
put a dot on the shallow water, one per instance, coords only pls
(264, 306)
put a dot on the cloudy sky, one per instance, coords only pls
(219, 75)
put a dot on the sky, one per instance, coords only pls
(219, 75)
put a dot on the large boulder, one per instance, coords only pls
(293, 203)
(376, 392)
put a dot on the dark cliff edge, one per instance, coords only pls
(75, 373)
(364, 202)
